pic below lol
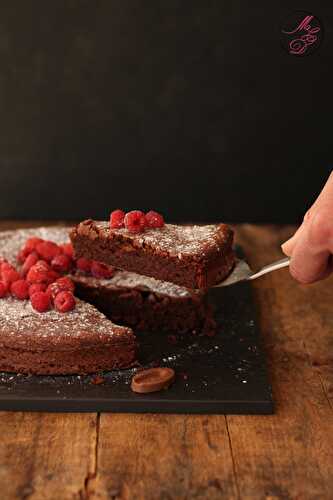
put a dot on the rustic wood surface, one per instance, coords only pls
(288, 455)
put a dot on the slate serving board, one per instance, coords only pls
(221, 374)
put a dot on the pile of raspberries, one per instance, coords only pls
(135, 221)
(40, 276)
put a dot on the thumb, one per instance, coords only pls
(289, 245)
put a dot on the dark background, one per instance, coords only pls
(190, 108)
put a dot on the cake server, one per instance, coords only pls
(243, 272)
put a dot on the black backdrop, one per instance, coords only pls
(191, 108)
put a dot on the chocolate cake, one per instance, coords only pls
(79, 341)
(84, 340)
(191, 256)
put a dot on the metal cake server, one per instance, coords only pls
(243, 272)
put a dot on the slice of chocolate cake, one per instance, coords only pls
(191, 256)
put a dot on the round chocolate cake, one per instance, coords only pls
(86, 339)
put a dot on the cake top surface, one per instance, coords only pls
(20, 324)
(12, 241)
(191, 240)
(19, 321)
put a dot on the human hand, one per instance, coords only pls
(311, 247)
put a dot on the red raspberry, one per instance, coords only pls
(48, 250)
(154, 219)
(100, 270)
(3, 289)
(135, 221)
(29, 262)
(31, 244)
(43, 265)
(117, 219)
(28, 248)
(5, 266)
(40, 301)
(37, 287)
(40, 273)
(20, 289)
(9, 276)
(64, 302)
(66, 284)
(67, 249)
(61, 263)
(84, 264)
(61, 285)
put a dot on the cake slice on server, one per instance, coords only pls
(192, 256)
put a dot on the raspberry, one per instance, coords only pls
(28, 248)
(117, 219)
(67, 249)
(20, 289)
(100, 270)
(5, 266)
(48, 250)
(61, 285)
(40, 301)
(43, 265)
(10, 275)
(154, 219)
(3, 289)
(37, 287)
(31, 244)
(29, 262)
(40, 273)
(135, 221)
(84, 264)
(61, 263)
(64, 302)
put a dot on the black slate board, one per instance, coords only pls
(221, 374)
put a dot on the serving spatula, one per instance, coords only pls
(243, 272)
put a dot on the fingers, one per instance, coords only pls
(311, 254)
(289, 245)
(307, 267)
(311, 247)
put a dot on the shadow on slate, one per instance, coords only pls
(221, 374)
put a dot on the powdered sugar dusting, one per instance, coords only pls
(84, 324)
(177, 240)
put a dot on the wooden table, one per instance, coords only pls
(118, 456)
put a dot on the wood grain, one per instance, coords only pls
(285, 456)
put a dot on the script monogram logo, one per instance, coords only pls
(301, 33)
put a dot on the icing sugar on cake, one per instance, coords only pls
(54, 328)
(174, 239)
